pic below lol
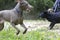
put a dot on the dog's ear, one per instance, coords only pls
(45, 12)
(16, 0)
(19, 0)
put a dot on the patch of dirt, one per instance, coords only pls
(37, 24)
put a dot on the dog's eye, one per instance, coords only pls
(26, 4)
(21, 3)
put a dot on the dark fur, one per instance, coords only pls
(52, 17)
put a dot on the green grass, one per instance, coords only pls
(40, 34)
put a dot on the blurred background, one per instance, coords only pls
(39, 6)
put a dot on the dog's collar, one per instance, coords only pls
(17, 11)
(20, 12)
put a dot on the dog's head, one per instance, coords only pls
(24, 5)
(43, 14)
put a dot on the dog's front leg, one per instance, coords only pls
(24, 27)
(51, 25)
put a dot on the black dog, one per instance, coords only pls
(52, 17)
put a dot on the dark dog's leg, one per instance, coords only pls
(18, 31)
(51, 25)
(24, 27)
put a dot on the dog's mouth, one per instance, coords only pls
(29, 9)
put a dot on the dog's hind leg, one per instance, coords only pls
(51, 25)
(18, 31)
(1, 24)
